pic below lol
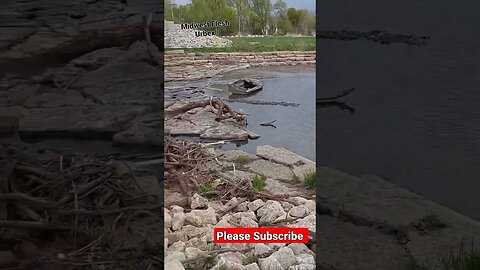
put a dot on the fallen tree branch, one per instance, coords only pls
(343, 94)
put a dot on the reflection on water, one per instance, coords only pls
(417, 113)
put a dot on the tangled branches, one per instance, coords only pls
(71, 212)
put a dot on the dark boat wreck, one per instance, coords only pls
(245, 86)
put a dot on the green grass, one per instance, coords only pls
(310, 180)
(462, 259)
(258, 182)
(263, 44)
(242, 160)
(205, 188)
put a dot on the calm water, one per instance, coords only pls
(295, 126)
(417, 118)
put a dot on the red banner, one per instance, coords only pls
(260, 235)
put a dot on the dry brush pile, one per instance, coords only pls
(75, 212)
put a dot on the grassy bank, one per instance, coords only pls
(263, 44)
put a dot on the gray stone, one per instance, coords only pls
(248, 223)
(198, 242)
(175, 256)
(174, 265)
(262, 250)
(202, 217)
(178, 218)
(270, 263)
(193, 252)
(305, 259)
(298, 248)
(167, 218)
(270, 212)
(299, 211)
(271, 170)
(281, 155)
(252, 266)
(303, 267)
(176, 236)
(223, 263)
(233, 155)
(176, 247)
(235, 257)
(302, 170)
(306, 222)
(255, 205)
(198, 202)
(285, 257)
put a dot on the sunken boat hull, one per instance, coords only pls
(245, 86)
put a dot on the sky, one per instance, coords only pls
(299, 4)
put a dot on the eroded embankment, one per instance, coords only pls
(181, 66)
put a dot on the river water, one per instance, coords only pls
(295, 126)
(417, 109)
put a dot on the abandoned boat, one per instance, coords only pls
(245, 86)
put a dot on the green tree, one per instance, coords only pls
(261, 14)
(242, 12)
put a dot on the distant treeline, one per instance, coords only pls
(256, 17)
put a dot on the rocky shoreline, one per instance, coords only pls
(189, 222)
(182, 66)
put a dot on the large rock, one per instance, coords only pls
(87, 120)
(271, 170)
(281, 155)
(202, 217)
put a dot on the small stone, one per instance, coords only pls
(226, 264)
(252, 266)
(202, 217)
(248, 223)
(298, 248)
(286, 206)
(176, 236)
(305, 259)
(276, 246)
(261, 250)
(235, 257)
(270, 263)
(250, 215)
(224, 224)
(167, 218)
(174, 265)
(299, 211)
(255, 205)
(311, 207)
(270, 212)
(285, 257)
(243, 207)
(175, 256)
(178, 219)
(192, 252)
(192, 231)
(197, 242)
(198, 202)
(176, 247)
